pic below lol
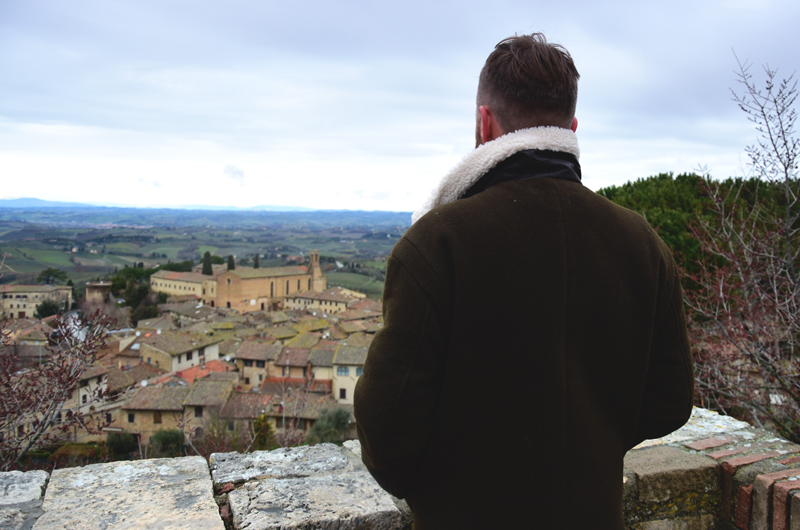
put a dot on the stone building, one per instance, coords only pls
(246, 289)
(173, 351)
(153, 409)
(184, 283)
(21, 301)
(333, 300)
(97, 292)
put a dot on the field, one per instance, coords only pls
(93, 244)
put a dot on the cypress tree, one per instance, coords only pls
(231, 265)
(207, 269)
(255, 262)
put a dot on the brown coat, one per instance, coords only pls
(533, 333)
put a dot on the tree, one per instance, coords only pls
(255, 262)
(47, 308)
(36, 404)
(167, 443)
(331, 426)
(745, 313)
(207, 268)
(50, 275)
(217, 260)
(231, 265)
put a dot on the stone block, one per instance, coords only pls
(663, 473)
(341, 501)
(21, 498)
(700, 522)
(281, 463)
(154, 494)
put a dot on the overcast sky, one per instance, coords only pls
(352, 104)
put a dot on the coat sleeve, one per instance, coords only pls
(669, 386)
(397, 395)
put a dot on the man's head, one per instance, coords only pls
(528, 82)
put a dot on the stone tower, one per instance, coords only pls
(318, 281)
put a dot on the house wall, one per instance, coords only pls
(176, 287)
(172, 363)
(22, 303)
(346, 382)
(322, 372)
(144, 424)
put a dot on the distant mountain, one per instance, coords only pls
(39, 203)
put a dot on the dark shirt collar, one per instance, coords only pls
(532, 163)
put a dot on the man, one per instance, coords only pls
(533, 331)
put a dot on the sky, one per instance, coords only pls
(360, 105)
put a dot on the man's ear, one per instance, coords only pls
(574, 126)
(490, 129)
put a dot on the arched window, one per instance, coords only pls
(271, 289)
(287, 286)
(229, 305)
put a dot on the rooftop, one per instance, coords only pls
(158, 398)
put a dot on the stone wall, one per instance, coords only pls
(714, 473)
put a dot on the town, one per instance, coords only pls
(236, 358)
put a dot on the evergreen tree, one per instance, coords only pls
(255, 262)
(207, 269)
(231, 265)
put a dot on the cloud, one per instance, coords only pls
(233, 172)
(157, 184)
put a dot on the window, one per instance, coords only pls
(84, 399)
(298, 285)
(108, 417)
(229, 305)
(342, 393)
(84, 383)
(198, 412)
(359, 371)
(309, 284)
(271, 289)
(131, 417)
(189, 356)
(58, 418)
(342, 370)
(287, 286)
(260, 377)
(283, 371)
(157, 416)
(229, 281)
(247, 380)
(230, 426)
(248, 363)
(304, 371)
(261, 364)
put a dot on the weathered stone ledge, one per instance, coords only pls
(715, 472)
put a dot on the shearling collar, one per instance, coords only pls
(473, 166)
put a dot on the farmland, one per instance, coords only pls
(93, 243)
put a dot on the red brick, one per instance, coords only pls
(781, 499)
(753, 447)
(789, 461)
(227, 487)
(708, 443)
(762, 495)
(744, 503)
(729, 468)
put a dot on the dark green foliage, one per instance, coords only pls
(47, 308)
(231, 264)
(255, 262)
(181, 266)
(331, 426)
(50, 275)
(167, 443)
(121, 443)
(207, 269)
(143, 312)
(264, 435)
(217, 260)
(69, 282)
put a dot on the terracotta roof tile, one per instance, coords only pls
(158, 398)
(245, 406)
(258, 351)
(351, 355)
(206, 393)
(293, 357)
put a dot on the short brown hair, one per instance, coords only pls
(528, 82)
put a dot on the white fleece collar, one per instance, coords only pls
(478, 162)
